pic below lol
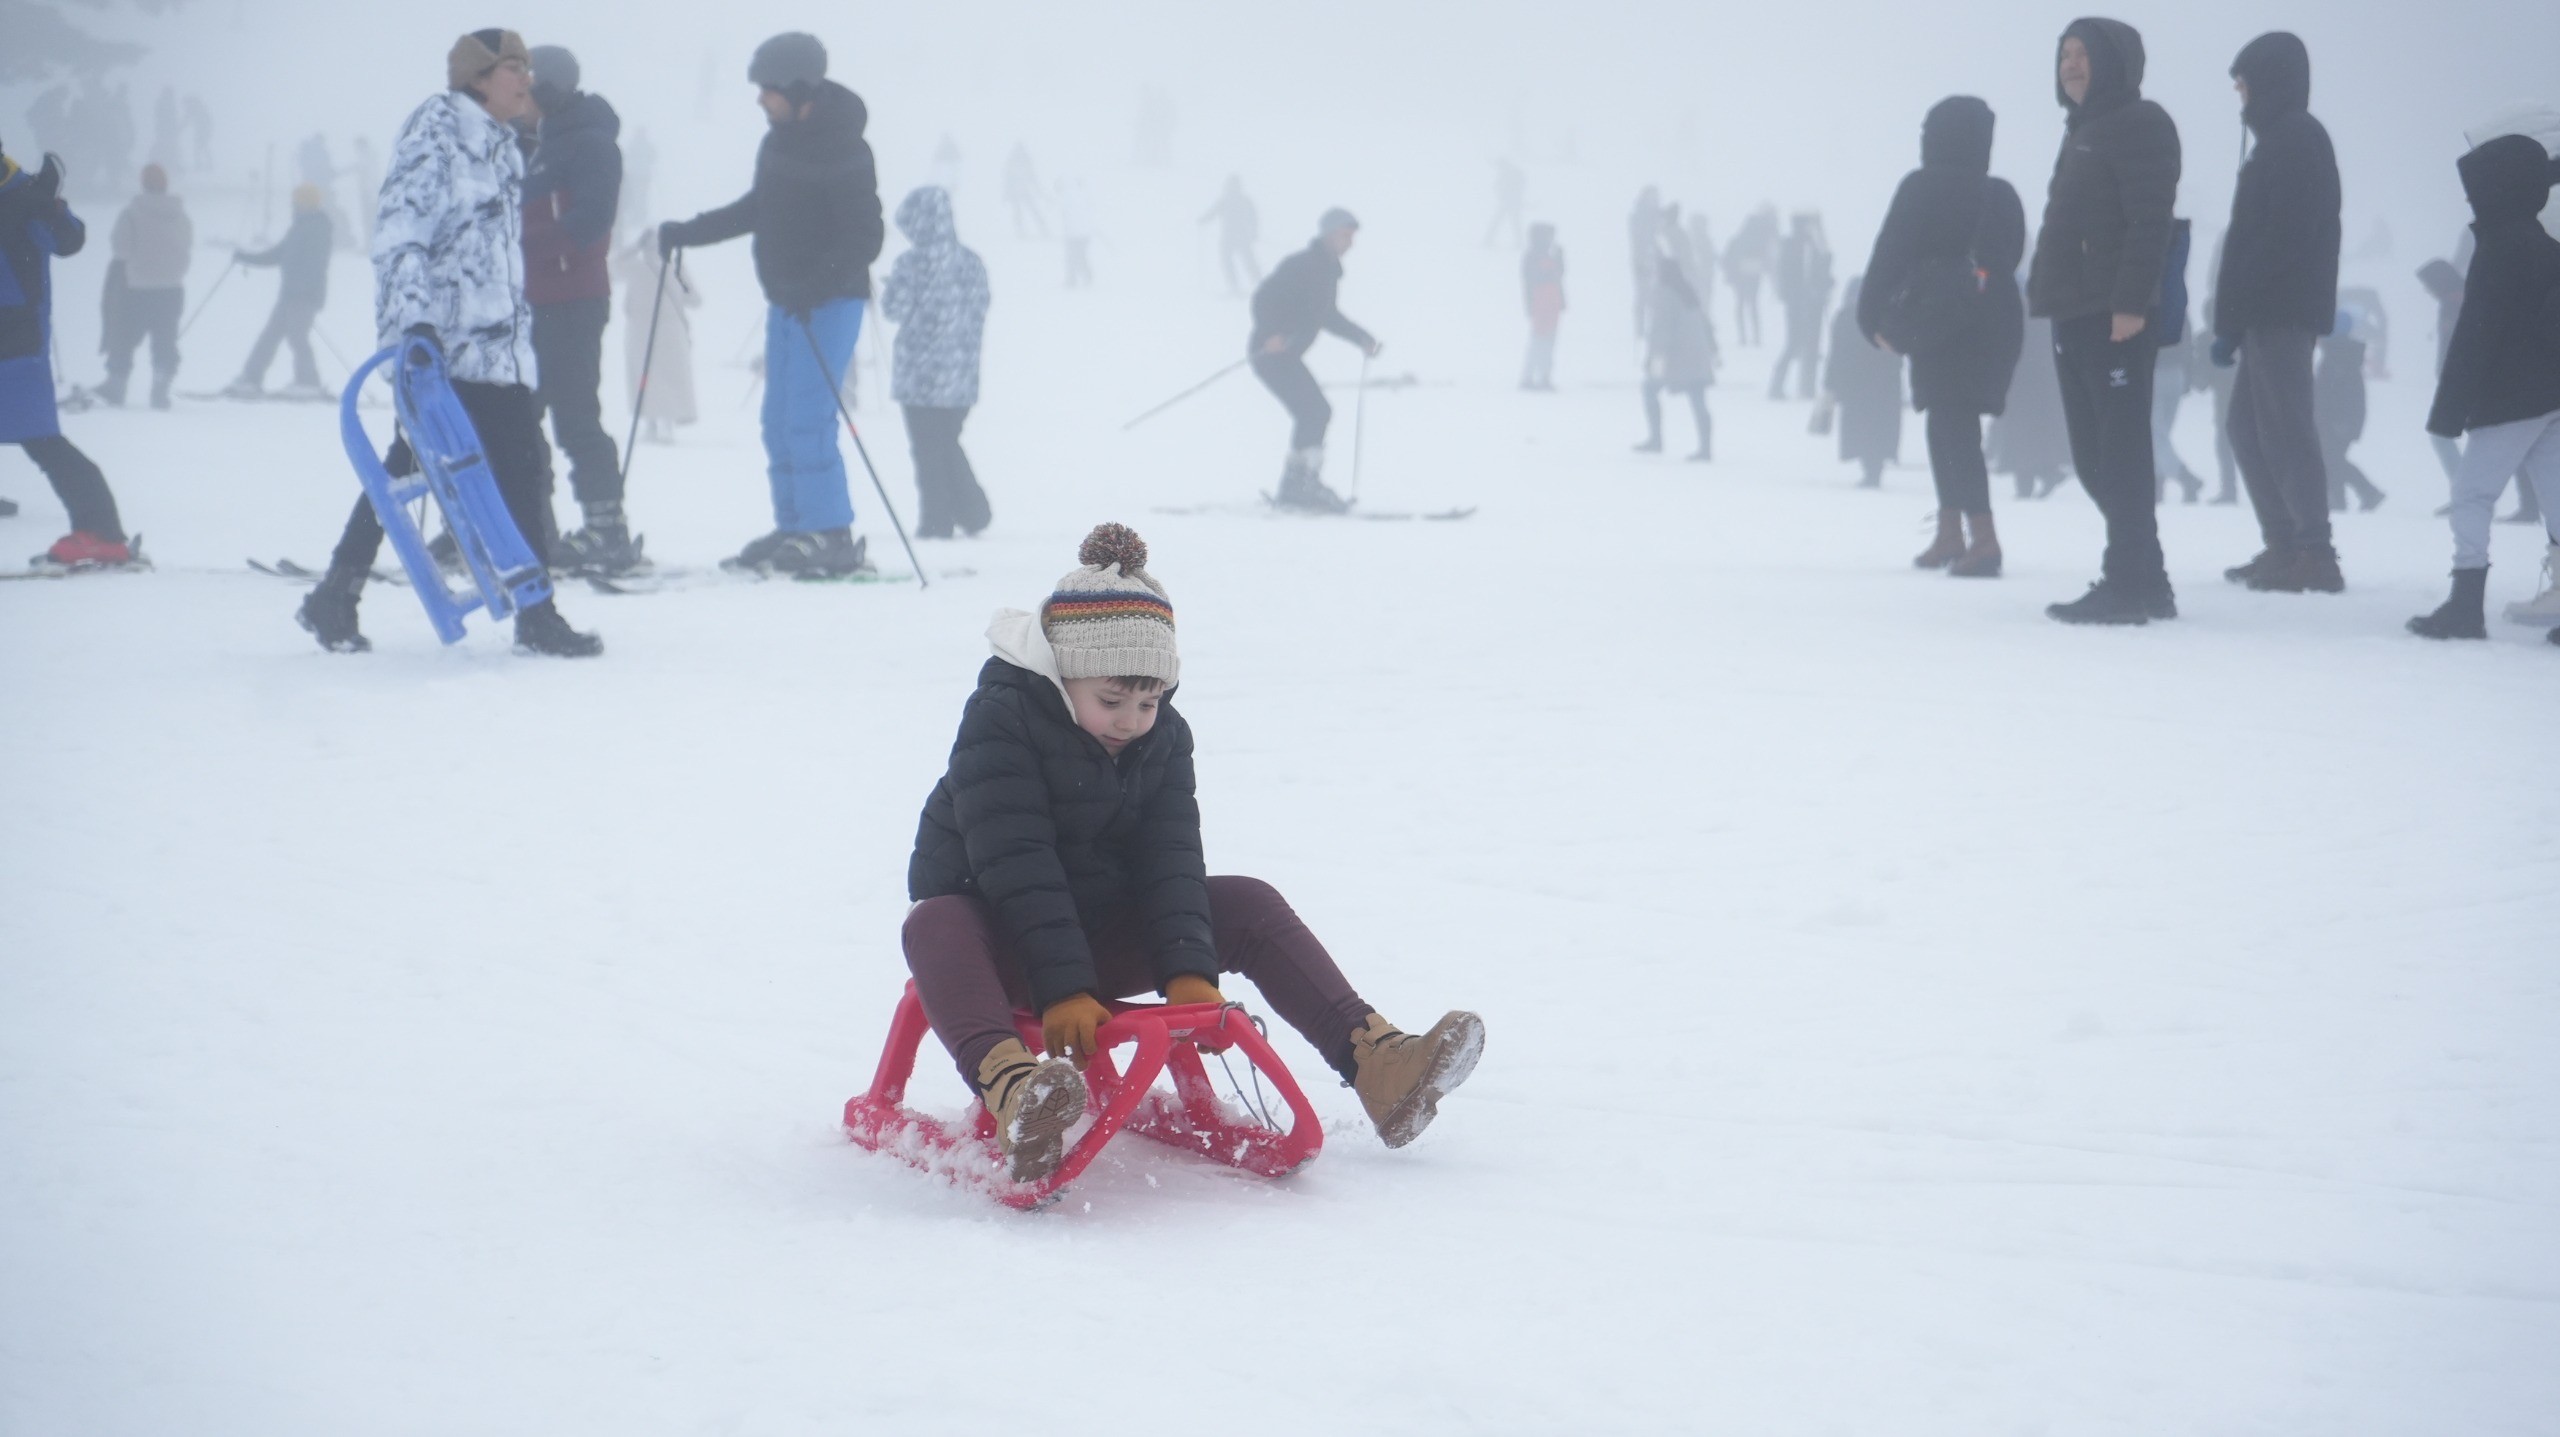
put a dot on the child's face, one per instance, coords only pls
(1112, 712)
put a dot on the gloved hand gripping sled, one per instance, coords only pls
(453, 470)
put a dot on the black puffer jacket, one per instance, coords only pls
(1948, 210)
(1301, 299)
(2115, 188)
(814, 209)
(2280, 257)
(1037, 819)
(2504, 363)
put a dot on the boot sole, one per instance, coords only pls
(1457, 1042)
(1052, 1100)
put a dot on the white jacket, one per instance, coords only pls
(448, 242)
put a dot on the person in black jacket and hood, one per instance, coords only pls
(2276, 295)
(1955, 236)
(2098, 264)
(2501, 379)
(1299, 301)
(572, 193)
(815, 213)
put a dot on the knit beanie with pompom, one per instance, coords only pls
(1109, 618)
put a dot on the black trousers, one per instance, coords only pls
(288, 324)
(1697, 411)
(508, 419)
(947, 492)
(1310, 414)
(2275, 435)
(1956, 464)
(568, 350)
(1804, 347)
(142, 314)
(2106, 404)
(78, 484)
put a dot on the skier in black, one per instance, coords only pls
(2097, 275)
(1290, 308)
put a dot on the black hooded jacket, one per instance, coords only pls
(1951, 212)
(1058, 838)
(814, 208)
(2280, 258)
(1300, 299)
(2504, 362)
(2107, 216)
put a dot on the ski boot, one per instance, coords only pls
(243, 389)
(81, 552)
(608, 550)
(826, 554)
(757, 557)
(1401, 1078)
(328, 613)
(1302, 485)
(541, 630)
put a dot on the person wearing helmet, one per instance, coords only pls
(814, 212)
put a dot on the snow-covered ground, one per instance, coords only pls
(1907, 1014)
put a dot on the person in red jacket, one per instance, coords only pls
(571, 192)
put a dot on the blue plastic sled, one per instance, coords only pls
(452, 471)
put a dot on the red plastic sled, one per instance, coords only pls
(1190, 1117)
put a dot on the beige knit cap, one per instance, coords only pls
(1109, 618)
(471, 58)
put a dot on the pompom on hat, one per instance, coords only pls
(1109, 618)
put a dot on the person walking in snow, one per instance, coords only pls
(1075, 226)
(153, 244)
(1022, 195)
(36, 228)
(448, 264)
(1644, 251)
(937, 296)
(2339, 405)
(1542, 291)
(301, 260)
(1746, 264)
(1942, 289)
(2276, 295)
(1862, 394)
(1057, 866)
(1300, 300)
(572, 191)
(1239, 230)
(1510, 196)
(660, 379)
(2099, 260)
(1803, 280)
(814, 210)
(2500, 390)
(1680, 356)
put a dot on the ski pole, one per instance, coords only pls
(208, 296)
(648, 356)
(1359, 424)
(810, 332)
(1186, 394)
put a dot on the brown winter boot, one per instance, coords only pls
(1981, 559)
(1034, 1102)
(1401, 1078)
(1950, 543)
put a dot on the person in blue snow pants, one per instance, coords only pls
(814, 210)
(804, 461)
(36, 227)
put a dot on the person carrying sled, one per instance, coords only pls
(1299, 301)
(448, 266)
(1058, 865)
(301, 258)
(154, 241)
(814, 212)
(572, 191)
(37, 227)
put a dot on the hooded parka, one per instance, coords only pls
(1948, 212)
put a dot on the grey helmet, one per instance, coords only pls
(791, 59)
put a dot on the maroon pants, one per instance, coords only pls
(971, 987)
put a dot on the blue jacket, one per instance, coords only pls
(33, 229)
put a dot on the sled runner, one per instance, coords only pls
(451, 471)
(1190, 1117)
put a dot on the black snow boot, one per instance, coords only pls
(2461, 616)
(757, 556)
(541, 630)
(2303, 571)
(328, 613)
(2267, 562)
(826, 554)
(2118, 602)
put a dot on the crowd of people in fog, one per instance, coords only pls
(2064, 349)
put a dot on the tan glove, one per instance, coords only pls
(1068, 1029)
(1192, 988)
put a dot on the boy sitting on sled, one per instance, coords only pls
(1058, 864)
